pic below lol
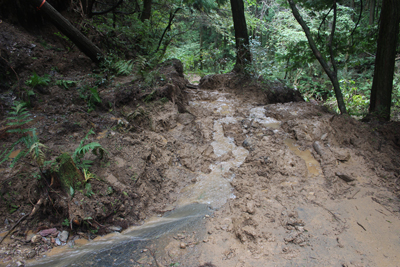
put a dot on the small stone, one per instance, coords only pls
(318, 148)
(63, 236)
(344, 177)
(250, 207)
(20, 263)
(182, 245)
(36, 239)
(324, 136)
(207, 216)
(47, 232)
(115, 228)
(31, 254)
(57, 242)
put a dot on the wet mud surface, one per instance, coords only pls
(269, 183)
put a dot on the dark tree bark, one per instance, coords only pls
(87, 6)
(332, 73)
(243, 55)
(146, 13)
(382, 85)
(371, 12)
(80, 40)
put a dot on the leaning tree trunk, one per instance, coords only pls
(80, 40)
(243, 55)
(332, 73)
(382, 85)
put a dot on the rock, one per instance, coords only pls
(345, 177)
(20, 263)
(324, 136)
(36, 239)
(250, 207)
(318, 148)
(31, 254)
(63, 236)
(29, 237)
(182, 245)
(57, 241)
(47, 232)
(115, 228)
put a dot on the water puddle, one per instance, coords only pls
(258, 115)
(313, 167)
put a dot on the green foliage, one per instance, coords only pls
(124, 67)
(82, 149)
(88, 188)
(90, 95)
(30, 141)
(65, 83)
(36, 80)
(65, 222)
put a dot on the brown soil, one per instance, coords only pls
(316, 188)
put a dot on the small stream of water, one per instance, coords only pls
(210, 191)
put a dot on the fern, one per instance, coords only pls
(124, 67)
(20, 116)
(82, 149)
(35, 80)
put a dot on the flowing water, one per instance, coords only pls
(211, 191)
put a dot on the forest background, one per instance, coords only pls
(136, 35)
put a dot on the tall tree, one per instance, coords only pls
(243, 55)
(382, 85)
(146, 12)
(331, 72)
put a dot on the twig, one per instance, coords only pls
(12, 228)
(361, 226)
(352, 197)
(154, 257)
(334, 216)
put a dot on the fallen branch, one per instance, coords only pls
(361, 226)
(12, 228)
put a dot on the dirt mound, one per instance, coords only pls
(265, 91)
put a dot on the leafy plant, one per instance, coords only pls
(81, 151)
(89, 191)
(20, 117)
(124, 67)
(36, 80)
(65, 222)
(90, 95)
(65, 83)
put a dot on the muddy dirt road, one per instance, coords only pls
(288, 185)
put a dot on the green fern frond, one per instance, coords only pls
(124, 67)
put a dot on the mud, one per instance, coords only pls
(289, 183)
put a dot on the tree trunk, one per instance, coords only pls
(87, 7)
(371, 12)
(243, 55)
(332, 74)
(146, 12)
(382, 85)
(80, 40)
